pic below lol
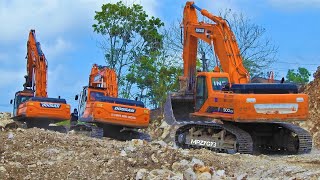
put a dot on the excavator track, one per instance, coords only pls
(277, 138)
(243, 142)
(304, 138)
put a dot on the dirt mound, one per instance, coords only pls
(313, 123)
(39, 154)
(6, 122)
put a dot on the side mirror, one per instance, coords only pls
(76, 97)
(11, 101)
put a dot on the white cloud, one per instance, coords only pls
(58, 47)
(10, 77)
(295, 4)
(51, 17)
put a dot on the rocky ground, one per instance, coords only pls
(313, 123)
(39, 154)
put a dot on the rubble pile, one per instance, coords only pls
(6, 122)
(313, 123)
(158, 129)
(41, 154)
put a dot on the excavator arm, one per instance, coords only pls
(36, 78)
(219, 36)
(104, 77)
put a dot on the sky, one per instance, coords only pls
(67, 39)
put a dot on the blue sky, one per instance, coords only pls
(64, 30)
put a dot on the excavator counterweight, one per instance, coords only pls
(221, 110)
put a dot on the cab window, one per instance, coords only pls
(201, 92)
(219, 83)
(94, 95)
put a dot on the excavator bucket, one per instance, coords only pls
(178, 107)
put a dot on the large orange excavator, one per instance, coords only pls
(102, 113)
(32, 105)
(222, 110)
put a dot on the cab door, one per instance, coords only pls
(201, 92)
(15, 105)
(82, 101)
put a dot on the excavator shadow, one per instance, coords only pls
(44, 123)
(99, 130)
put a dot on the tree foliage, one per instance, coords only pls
(258, 51)
(155, 77)
(133, 46)
(301, 75)
(127, 35)
(156, 74)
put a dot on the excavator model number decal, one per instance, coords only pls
(200, 30)
(50, 105)
(220, 110)
(123, 109)
(227, 110)
(203, 143)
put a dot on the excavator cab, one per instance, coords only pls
(207, 82)
(181, 106)
(88, 95)
(20, 97)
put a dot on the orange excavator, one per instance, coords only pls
(103, 114)
(32, 105)
(221, 110)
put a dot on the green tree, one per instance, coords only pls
(133, 45)
(155, 76)
(298, 76)
(128, 36)
(257, 50)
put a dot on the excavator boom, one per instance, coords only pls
(36, 67)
